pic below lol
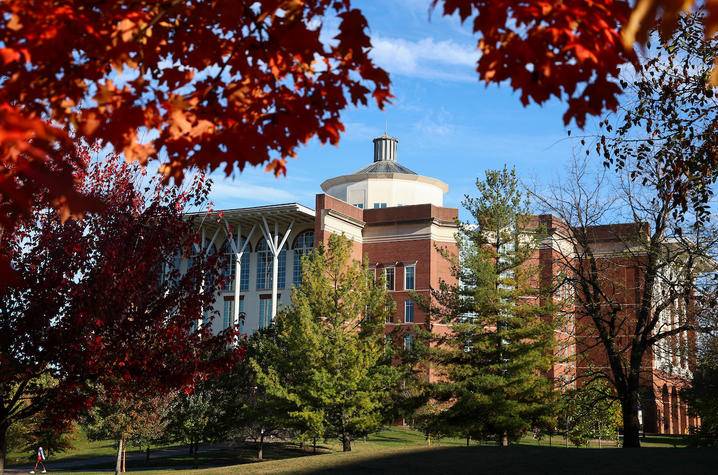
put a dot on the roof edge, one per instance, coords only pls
(357, 177)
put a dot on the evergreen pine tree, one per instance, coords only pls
(328, 360)
(500, 344)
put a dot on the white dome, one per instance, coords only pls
(385, 183)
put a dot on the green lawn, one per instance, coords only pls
(84, 449)
(400, 450)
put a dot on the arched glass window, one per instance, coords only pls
(264, 266)
(230, 267)
(303, 244)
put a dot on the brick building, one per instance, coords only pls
(667, 366)
(396, 219)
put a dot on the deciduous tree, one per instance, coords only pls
(126, 418)
(91, 303)
(222, 83)
(251, 411)
(203, 84)
(196, 416)
(330, 343)
(702, 395)
(589, 412)
(669, 116)
(637, 277)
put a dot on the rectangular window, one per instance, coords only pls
(265, 311)
(244, 272)
(231, 268)
(379, 205)
(206, 317)
(265, 261)
(241, 314)
(229, 313)
(359, 205)
(408, 342)
(389, 276)
(409, 277)
(409, 311)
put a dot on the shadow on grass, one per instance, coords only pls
(207, 459)
(533, 460)
(673, 440)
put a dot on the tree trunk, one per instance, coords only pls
(195, 463)
(3, 447)
(504, 439)
(260, 447)
(468, 439)
(118, 463)
(147, 458)
(346, 442)
(631, 428)
(315, 445)
(124, 452)
(191, 448)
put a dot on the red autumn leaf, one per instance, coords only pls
(241, 79)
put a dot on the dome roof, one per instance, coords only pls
(385, 183)
(384, 166)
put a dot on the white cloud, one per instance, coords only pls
(426, 58)
(360, 132)
(241, 190)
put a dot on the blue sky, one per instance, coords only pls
(449, 125)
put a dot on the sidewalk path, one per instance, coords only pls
(109, 460)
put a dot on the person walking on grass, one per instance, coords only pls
(40, 458)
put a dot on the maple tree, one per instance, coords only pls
(90, 304)
(226, 83)
(548, 49)
(198, 83)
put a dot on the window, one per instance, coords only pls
(409, 272)
(229, 313)
(231, 268)
(359, 205)
(409, 311)
(264, 267)
(379, 205)
(303, 245)
(265, 311)
(206, 317)
(408, 342)
(389, 276)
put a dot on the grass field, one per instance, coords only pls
(84, 449)
(399, 450)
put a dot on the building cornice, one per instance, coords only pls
(359, 177)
